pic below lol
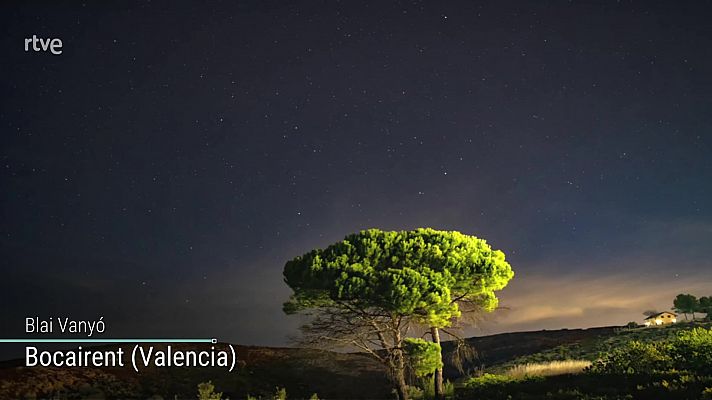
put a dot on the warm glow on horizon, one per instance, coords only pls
(538, 302)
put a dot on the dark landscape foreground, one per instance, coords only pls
(303, 372)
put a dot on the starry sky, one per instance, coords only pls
(162, 169)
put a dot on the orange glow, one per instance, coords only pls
(534, 302)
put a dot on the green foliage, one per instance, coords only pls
(673, 362)
(686, 304)
(206, 391)
(595, 348)
(314, 397)
(448, 389)
(415, 393)
(635, 358)
(411, 273)
(423, 356)
(427, 384)
(488, 380)
(689, 350)
(707, 393)
(376, 283)
(692, 351)
(426, 390)
(668, 386)
(280, 394)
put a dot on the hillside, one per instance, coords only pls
(497, 349)
(260, 370)
(302, 371)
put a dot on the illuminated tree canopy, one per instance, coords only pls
(372, 287)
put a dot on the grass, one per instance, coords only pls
(550, 368)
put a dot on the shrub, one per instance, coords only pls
(415, 393)
(206, 391)
(280, 394)
(692, 350)
(423, 356)
(635, 358)
(707, 393)
(428, 386)
(448, 389)
(488, 380)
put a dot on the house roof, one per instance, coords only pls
(659, 314)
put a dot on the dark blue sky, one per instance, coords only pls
(164, 167)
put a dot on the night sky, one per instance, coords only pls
(162, 169)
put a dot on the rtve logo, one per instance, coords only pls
(38, 44)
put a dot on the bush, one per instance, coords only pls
(692, 350)
(423, 356)
(206, 391)
(673, 363)
(427, 384)
(415, 393)
(707, 393)
(635, 358)
(448, 389)
(280, 394)
(488, 380)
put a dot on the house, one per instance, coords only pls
(662, 318)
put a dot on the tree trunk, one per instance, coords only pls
(399, 368)
(401, 387)
(438, 375)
